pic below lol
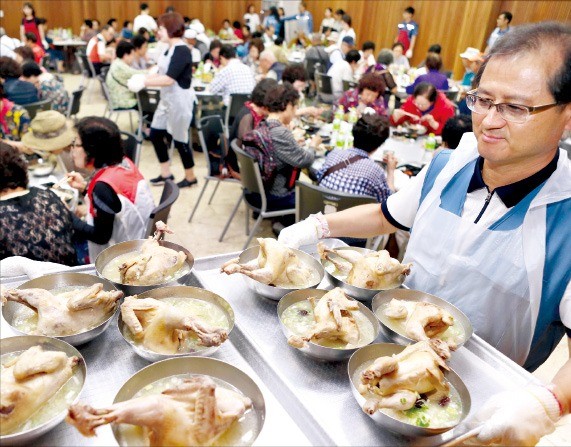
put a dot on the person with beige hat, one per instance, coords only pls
(472, 59)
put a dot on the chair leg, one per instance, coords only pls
(247, 214)
(231, 217)
(130, 121)
(253, 232)
(198, 200)
(214, 192)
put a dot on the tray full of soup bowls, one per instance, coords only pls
(74, 307)
(141, 265)
(180, 401)
(175, 321)
(39, 378)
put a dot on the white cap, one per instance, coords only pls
(472, 54)
(190, 34)
(198, 27)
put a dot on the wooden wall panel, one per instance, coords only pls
(454, 24)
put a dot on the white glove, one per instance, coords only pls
(408, 54)
(306, 232)
(45, 44)
(136, 82)
(517, 417)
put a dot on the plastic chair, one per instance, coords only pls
(251, 179)
(112, 110)
(36, 107)
(75, 103)
(212, 141)
(209, 105)
(131, 147)
(161, 212)
(237, 101)
(87, 68)
(324, 88)
(148, 102)
(348, 85)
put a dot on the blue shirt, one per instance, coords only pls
(20, 92)
(306, 18)
(434, 77)
(411, 28)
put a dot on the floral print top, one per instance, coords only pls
(14, 121)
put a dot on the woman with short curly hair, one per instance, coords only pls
(368, 94)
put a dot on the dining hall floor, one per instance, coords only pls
(200, 236)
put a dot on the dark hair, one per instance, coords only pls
(124, 47)
(173, 23)
(31, 69)
(532, 38)
(368, 45)
(373, 82)
(101, 140)
(454, 128)
(227, 52)
(142, 31)
(294, 72)
(278, 97)
(353, 56)
(370, 131)
(111, 20)
(88, 23)
(260, 90)
(13, 168)
(347, 19)
(397, 44)
(42, 21)
(425, 88)
(278, 40)
(339, 12)
(435, 48)
(508, 15)
(138, 41)
(29, 5)
(126, 23)
(226, 20)
(410, 10)
(143, 6)
(385, 57)
(330, 10)
(236, 24)
(169, 9)
(31, 37)
(258, 43)
(25, 52)
(257, 34)
(433, 62)
(215, 44)
(9, 68)
(186, 19)
(274, 12)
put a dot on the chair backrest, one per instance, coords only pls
(131, 147)
(210, 105)
(75, 103)
(250, 175)
(452, 95)
(105, 91)
(324, 88)
(35, 107)
(161, 212)
(149, 100)
(85, 64)
(311, 199)
(348, 85)
(210, 134)
(237, 101)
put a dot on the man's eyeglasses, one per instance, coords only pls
(515, 113)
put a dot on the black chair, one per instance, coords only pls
(148, 102)
(36, 107)
(348, 85)
(237, 101)
(209, 105)
(87, 68)
(75, 103)
(161, 212)
(131, 147)
(213, 142)
(324, 88)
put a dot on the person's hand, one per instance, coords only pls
(429, 119)
(517, 417)
(314, 111)
(81, 211)
(316, 140)
(136, 82)
(76, 181)
(408, 53)
(391, 161)
(398, 114)
(306, 232)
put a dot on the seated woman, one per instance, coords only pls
(213, 56)
(15, 90)
(352, 171)
(369, 93)
(141, 59)
(252, 59)
(48, 86)
(34, 222)
(384, 59)
(118, 199)
(433, 65)
(14, 119)
(296, 75)
(119, 74)
(426, 106)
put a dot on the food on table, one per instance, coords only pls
(411, 386)
(164, 328)
(374, 270)
(421, 321)
(276, 265)
(334, 321)
(195, 412)
(28, 382)
(153, 264)
(62, 314)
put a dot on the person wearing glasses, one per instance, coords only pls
(490, 223)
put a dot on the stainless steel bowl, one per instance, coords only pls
(217, 369)
(19, 344)
(372, 352)
(313, 349)
(390, 331)
(57, 281)
(121, 248)
(178, 292)
(273, 292)
(359, 293)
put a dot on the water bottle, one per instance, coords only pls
(340, 143)
(430, 143)
(340, 113)
(353, 116)
(336, 124)
(200, 68)
(349, 141)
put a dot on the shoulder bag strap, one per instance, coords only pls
(342, 165)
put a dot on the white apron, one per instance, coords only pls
(483, 272)
(174, 111)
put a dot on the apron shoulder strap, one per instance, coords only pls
(434, 169)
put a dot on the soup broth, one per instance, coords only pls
(241, 433)
(111, 270)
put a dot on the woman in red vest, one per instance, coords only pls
(31, 24)
(118, 198)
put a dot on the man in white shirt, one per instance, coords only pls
(144, 19)
(190, 38)
(234, 77)
(343, 70)
(97, 48)
(339, 53)
(503, 21)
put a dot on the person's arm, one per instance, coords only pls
(362, 221)
(101, 51)
(219, 82)
(287, 149)
(411, 47)
(22, 32)
(42, 33)
(158, 80)
(562, 382)
(392, 163)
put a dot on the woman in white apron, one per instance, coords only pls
(174, 112)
